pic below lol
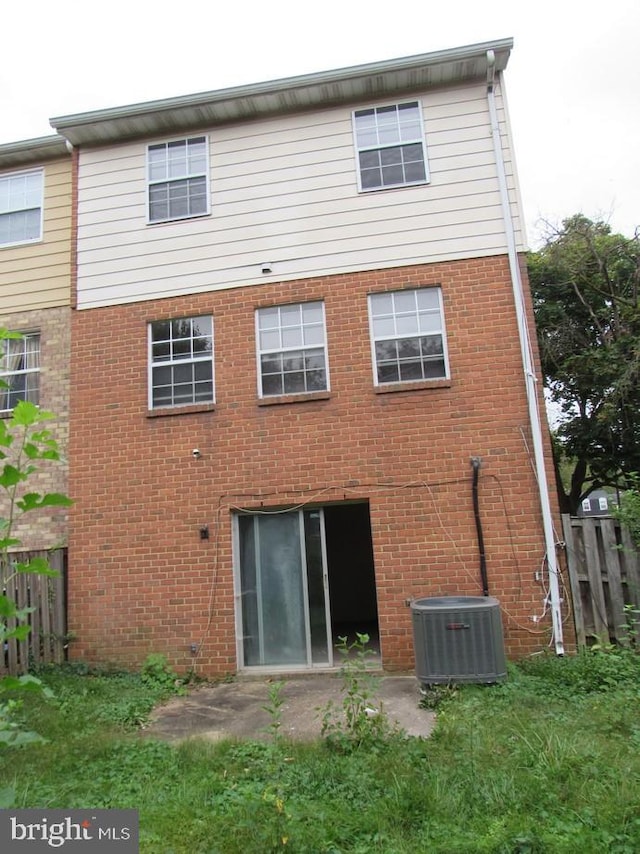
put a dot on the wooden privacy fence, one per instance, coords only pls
(604, 574)
(46, 642)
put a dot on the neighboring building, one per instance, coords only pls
(597, 503)
(35, 295)
(295, 328)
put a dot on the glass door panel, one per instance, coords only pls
(273, 591)
(283, 589)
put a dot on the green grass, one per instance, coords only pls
(548, 762)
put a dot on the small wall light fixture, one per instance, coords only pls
(196, 453)
(204, 532)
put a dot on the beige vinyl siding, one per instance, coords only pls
(37, 275)
(284, 190)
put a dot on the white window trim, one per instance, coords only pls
(443, 332)
(4, 374)
(149, 183)
(40, 237)
(260, 352)
(357, 150)
(151, 364)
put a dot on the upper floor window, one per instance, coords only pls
(21, 207)
(177, 175)
(292, 350)
(20, 370)
(390, 146)
(181, 362)
(407, 336)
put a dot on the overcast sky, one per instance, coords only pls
(573, 80)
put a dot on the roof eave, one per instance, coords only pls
(29, 152)
(292, 94)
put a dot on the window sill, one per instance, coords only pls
(382, 189)
(28, 242)
(293, 398)
(187, 218)
(180, 410)
(412, 386)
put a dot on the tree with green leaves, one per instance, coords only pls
(25, 445)
(628, 511)
(585, 282)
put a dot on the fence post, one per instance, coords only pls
(611, 553)
(573, 565)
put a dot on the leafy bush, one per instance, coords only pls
(436, 696)
(628, 511)
(362, 721)
(157, 674)
(591, 670)
(95, 696)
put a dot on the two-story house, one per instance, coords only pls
(299, 325)
(35, 295)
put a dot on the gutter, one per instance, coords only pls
(528, 366)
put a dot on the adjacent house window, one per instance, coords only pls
(20, 370)
(390, 146)
(181, 361)
(603, 504)
(21, 207)
(178, 179)
(407, 336)
(586, 505)
(292, 350)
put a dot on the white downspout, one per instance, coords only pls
(527, 362)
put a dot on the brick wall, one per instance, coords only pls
(142, 580)
(47, 528)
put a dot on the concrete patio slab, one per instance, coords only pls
(235, 709)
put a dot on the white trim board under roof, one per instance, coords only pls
(15, 155)
(327, 88)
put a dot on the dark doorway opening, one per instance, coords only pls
(350, 568)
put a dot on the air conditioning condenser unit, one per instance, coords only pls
(458, 639)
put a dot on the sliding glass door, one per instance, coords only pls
(283, 592)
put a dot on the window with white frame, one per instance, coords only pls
(21, 207)
(603, 503)
(178, 178)
(292, 350)
(181, 362)
(586, 505)
(407, 336)
(390, 146)
(20, 371)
